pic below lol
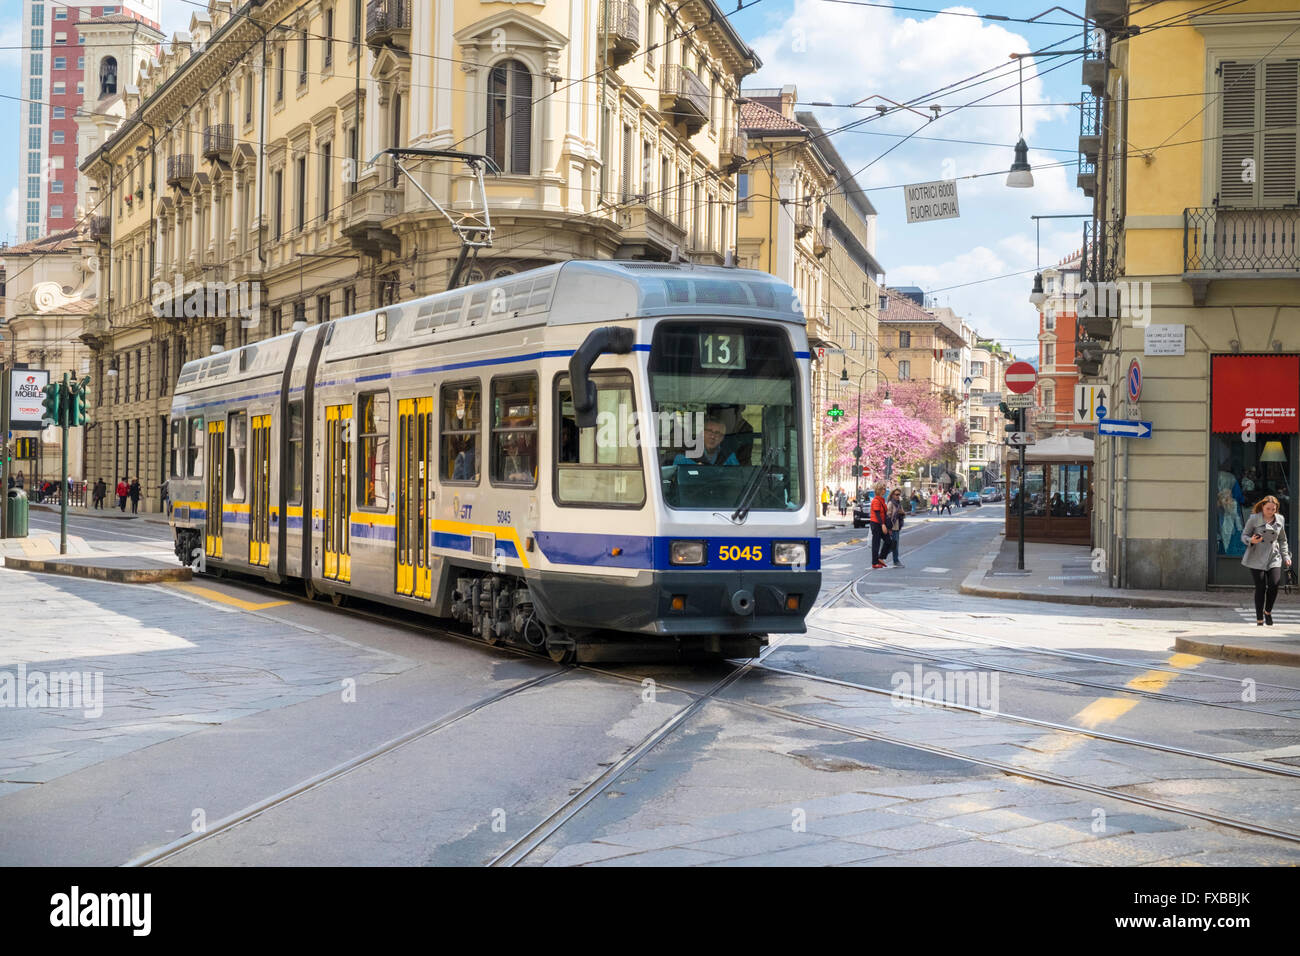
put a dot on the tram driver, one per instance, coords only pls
(712, 453)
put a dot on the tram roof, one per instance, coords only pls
(567, 293)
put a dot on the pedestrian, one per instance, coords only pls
(945, 502)
(897, 510)
(934, 501)
(97, 496)
(843, 502)
(826, 500)
(134, 491)
(167, 498)
(879, 518)
(18, 483)
(123, 489)
(1267, 555)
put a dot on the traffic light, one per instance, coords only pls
(53, 404)
(79, 413)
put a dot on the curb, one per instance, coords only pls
(151, 516)
(1238, 652)
(971, 586)
(101, 573)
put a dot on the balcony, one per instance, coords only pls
(821, 241)
(803, 221)
(1087, 178)
(99, 228)
(733, 150)
(647, 233)
(180, 170)
(1094, 62)
(1100, 251)
(218, 141)
(387, 21)
(1087, 358)
(620, 30)
(684, 96)
(1237, 242)
(1090, 126)
(364, 219)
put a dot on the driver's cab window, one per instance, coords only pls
(600, 465)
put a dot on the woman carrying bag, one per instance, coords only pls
(897, 509)
(1266, 555)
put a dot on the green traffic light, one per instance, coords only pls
(52, 403)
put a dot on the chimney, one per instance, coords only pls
(788, 97)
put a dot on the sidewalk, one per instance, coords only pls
(140, 564)
(1063, 574)
(833, 520)
(105, 512)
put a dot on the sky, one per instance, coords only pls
(842, 53)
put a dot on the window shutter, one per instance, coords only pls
(627, 163)
(496, 116)
(521, 122)
(1278, 147)
(1238, 129)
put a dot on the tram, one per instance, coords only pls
(605, 460)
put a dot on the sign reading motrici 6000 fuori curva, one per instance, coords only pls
(928, 201)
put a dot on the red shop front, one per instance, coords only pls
(1254, 420)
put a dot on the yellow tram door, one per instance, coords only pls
(216, 458)
(259, 512)
(338, 497)
(414, 463)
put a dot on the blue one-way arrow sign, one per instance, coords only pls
(1123, 428)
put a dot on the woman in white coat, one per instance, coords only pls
(1266, 555)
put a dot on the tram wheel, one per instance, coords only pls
(310, 591)
(561, 648)
(338, 599)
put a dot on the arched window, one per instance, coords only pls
(510, 117)
(107, 76)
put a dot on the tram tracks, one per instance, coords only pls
(553, 823)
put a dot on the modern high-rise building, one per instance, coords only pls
(61, 66)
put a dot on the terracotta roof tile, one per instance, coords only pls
(755, 117)
(57, 241)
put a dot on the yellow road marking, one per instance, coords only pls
(226, 599)
(1112, 708)
(1103, 710)
(1185, 660)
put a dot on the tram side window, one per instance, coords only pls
(461, 418)
(294, 445)
(178, 456)
(198, 435)
(372, 473)
(514, 430)
(236, 455)
(600, 465)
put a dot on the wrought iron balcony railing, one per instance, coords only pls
(1241, 241)
(733, 150)
(1087, 178)
(1090, 126)
(1094, 61)
(803, 220)
(385, 18)
(1100, 251)
(684, 94)
(99, 228)
(218, 141)
(180, 169)
(620, 29)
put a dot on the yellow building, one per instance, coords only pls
(803, 218)
(1189, 148)
(242, 164)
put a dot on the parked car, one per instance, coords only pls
(970, 498)
(862, 509)
(990, 494)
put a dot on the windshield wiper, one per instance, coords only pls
(751, 491)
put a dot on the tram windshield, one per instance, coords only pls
(727, 414)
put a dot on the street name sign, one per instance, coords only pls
(1019, 438)
(927, 202)
(1020, 401)
(1164, 340)
(1020, 377)
(1122, 428)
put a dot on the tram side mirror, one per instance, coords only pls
(606, 340)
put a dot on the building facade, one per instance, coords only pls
(1196, 209)
(243, 162)
(1057, 373)
(61, 65)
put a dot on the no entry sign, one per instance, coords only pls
(1021, 377)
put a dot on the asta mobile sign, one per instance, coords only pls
(25, 394)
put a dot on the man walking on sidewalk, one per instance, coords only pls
(123, 489)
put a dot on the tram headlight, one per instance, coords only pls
(686, 552)
(790, 552)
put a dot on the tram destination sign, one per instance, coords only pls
(927, 202)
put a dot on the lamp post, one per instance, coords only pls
(857, 448)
